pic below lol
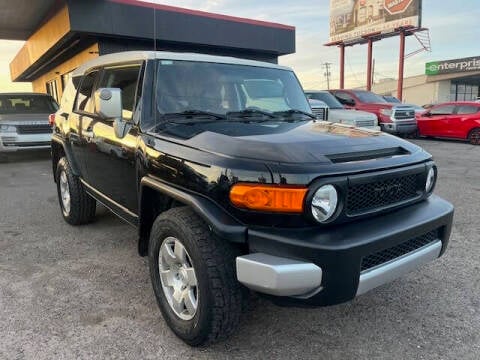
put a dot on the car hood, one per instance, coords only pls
(294, 143)
(22, 118)
(350, 115)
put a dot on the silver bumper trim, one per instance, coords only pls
(395, 268)
(278, 276)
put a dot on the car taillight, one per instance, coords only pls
(51, 119)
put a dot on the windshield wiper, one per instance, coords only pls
(191, 116)
(294, 111)
(249, 112)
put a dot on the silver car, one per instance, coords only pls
(24, 121)
(337, 113)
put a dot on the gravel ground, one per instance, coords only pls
(83, 292)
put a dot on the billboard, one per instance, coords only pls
(453, 66)
(352, 19)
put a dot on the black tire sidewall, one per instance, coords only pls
(474, 132)
(192, 331)
(82, 206)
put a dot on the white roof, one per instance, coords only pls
(131, 56)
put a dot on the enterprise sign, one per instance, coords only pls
(453, 66)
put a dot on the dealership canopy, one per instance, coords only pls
(57, 30)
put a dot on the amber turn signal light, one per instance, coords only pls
(275, 198)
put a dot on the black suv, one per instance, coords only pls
(234, 185)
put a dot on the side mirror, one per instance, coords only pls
(108, 105)
(350, 102)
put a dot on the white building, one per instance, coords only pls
(448, 80)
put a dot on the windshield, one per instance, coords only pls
(369, 97)
(27, 104)
(205, 88)
(327, 98)
(391, 99)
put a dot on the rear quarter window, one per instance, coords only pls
(467, 109)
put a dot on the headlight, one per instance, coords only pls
(324, 203)
(8, 128)
(386, 112)
(430, 183)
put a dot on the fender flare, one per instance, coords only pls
(218, 220)
(68, 153)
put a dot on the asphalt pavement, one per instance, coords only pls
(84, 293)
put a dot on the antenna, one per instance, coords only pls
(155, 68)
(154, 29)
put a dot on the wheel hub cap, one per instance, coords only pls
(178, 278)
(64, 193)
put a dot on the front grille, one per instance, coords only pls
(375, 195)
(365, 123)
(34, 129)
(27, 144)
(320, 113)
(9, 139)
(404, 114)
(383, 256)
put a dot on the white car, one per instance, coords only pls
(337, 113)
(24, 123)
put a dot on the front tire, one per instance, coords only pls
(193, 278)
(474, 136)
(76, 205)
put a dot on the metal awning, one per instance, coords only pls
(20, 18)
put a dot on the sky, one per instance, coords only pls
(453, 26)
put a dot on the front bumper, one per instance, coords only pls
(399, 127)
(338, 252)
(375, 127)
(10, 142)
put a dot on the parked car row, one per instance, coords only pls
(337, 112)
(456, 120)
(393, 118)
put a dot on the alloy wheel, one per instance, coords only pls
(178, 278)
(64, 193)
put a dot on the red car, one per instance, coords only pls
(460, 120)
(393, 118)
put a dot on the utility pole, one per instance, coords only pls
(373, 72)
(327, 73)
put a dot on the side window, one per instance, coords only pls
(126, 79)
(84, 100)
(467, 109)
(344, 98)
(443, 110)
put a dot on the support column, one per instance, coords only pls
(342, 66)
(369, 64)
(401, 62)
